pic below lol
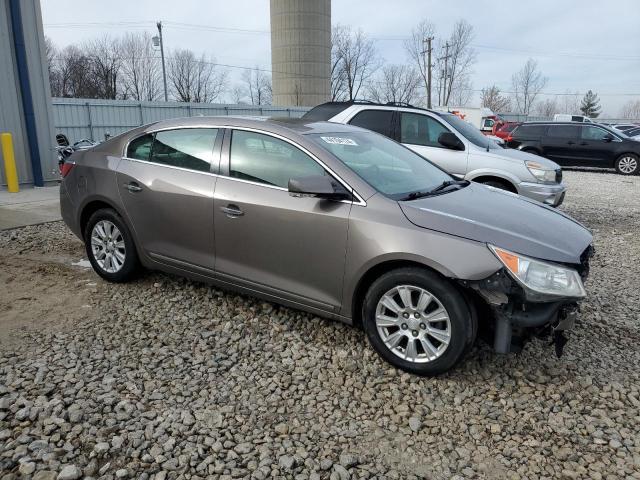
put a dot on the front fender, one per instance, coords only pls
(493, 172)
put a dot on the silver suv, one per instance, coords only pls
(333, 219)
(454, 145)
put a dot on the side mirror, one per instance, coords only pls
(320, 186)
(450, 140)
(608, 138)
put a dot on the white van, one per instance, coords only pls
(565, 117)
(454, 145)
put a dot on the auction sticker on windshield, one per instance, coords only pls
(339, 141)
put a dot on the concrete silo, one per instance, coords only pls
(300, 51)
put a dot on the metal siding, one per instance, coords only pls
(71, 115)
(40, 89)
(11, 119)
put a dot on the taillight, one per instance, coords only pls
(509, 138)
(65, 168)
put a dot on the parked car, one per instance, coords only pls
(503, 129)
(624, 126)
(572, 144)
(564, 117)
(632, 132)
(335, 220)
(454, 145)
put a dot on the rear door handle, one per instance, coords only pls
(232, 211)
(584, 143)
(571, 143)
(133, 187)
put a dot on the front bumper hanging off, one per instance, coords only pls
(517, 318)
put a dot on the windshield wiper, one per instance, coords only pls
(443, 186)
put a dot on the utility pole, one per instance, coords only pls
(445, 96)
(164, 72)
(427, 49)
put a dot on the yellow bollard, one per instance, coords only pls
(9, 163)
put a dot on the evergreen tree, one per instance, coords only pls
(590, 106)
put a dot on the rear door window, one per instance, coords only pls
(380, 121)
(563, 131)
(190, 148)
(140, 148)
(417, 129)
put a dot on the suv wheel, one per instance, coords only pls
(627, 164)
(110, 246)
(417, 321)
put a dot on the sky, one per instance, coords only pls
(579, 44)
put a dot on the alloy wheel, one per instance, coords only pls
(107, 246)
(627, 165)
(413, 324)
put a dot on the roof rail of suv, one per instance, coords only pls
(327, 110)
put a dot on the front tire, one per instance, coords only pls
(628, 164)
(417, 321)
(109, 246)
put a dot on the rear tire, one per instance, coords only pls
(417, 321)
(110, 247)
(628, 164)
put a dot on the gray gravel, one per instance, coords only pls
(165, 378)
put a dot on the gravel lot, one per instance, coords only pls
(165, 378)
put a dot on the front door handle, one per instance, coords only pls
(232, 211)
(571, 143)
(133, 187)
(584, 143)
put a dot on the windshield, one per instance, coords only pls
(468, 131)
(387, 166)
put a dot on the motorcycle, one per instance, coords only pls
(64, 149)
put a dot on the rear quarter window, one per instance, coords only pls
(529, 131)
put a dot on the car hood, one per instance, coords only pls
(519, 156)
(503, 219)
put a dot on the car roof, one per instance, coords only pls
(328, 110)
(282, 125)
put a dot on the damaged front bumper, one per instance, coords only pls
(517, 318)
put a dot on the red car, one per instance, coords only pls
(503, 129)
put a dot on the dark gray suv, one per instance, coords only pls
(335, 220)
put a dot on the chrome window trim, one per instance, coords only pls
(146, 162)
(358, 200)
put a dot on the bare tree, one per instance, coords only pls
(353, 63)
(73, 77)
(257, 86)
(415, 46)
(455, 64)
(195, 80)
(527, 83)
(338, 76)
(492, 98)
(630, 110)
(569, 102)
(396, 83)
(105, 64)
(238, 94)
(547, 107)
(141, 75)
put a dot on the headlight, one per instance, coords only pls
(541, 277)
(542, 174)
